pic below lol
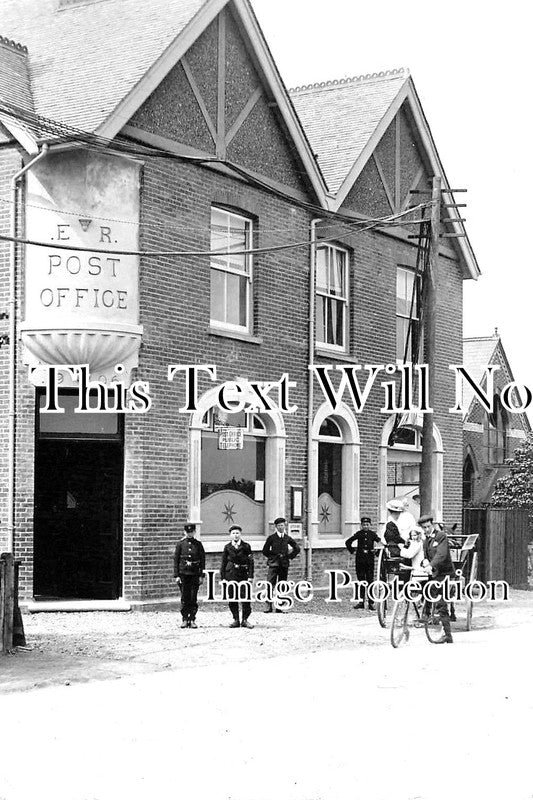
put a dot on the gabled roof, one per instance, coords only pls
(85, 58)
(94, 62)
(478, 353)
(358, 105)
(360, 110)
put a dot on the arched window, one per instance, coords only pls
(468, 480)
(329, 478)
(496, 433)
(236, 468)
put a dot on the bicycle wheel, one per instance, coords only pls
(398, 629)
(434, 628)
(381, 606)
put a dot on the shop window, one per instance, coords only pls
(407, 315)
(232, 488)
(331, 297)
(231, 273)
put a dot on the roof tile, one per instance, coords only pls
(84, 59)
(339, 117)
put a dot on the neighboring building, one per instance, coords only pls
(489, 438)
(208, 150)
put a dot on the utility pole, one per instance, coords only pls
(429, 298)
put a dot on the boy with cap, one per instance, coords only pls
(365, 539)
(189, 565)
(279, 549)
(238, 565)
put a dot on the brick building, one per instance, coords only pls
(489, 438)
(154, 142)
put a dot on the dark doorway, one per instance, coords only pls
(78, 518)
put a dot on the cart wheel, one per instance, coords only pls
(434, 628)
(398, 629)
(473, 568)
(379, 566)
(469, 603)
(382, 612)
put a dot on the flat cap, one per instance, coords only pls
(235, 528)
(425, 518)
(279, 519)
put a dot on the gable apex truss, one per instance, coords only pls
(398, 195)
(221, 135)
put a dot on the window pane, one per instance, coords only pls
(236, 299)
(218, 280)
(219, 235)
(104, 423)
(321, 269)
(330, 470)
(330, 428)
(401, 334)
(337, 271)
(338, 308)
(321, 319)
(235, 470)
(329, 321)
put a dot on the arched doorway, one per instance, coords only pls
(334, 476)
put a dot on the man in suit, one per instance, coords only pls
(238, 565)
(439, 564)
(189, 565)
(279, 549)
(364, 540)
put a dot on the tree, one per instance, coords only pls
(516, 489)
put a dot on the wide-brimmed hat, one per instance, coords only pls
(395, 505)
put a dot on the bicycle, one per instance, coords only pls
(407, 613)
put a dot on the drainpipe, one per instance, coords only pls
(310, 395)
(12, 308)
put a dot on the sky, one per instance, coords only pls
(472, 66)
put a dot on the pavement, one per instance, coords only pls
(307, 706)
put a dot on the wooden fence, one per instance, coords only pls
(504, 535)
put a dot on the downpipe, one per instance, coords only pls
(12, 310)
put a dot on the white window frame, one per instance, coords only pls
(415, 317)
(344, 299)
(229, 269)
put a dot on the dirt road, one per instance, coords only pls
(305, 707)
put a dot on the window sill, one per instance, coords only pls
(333, 354)
(229, 334)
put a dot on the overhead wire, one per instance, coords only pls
(393, 219)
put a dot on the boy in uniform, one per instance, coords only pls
(364, 539)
